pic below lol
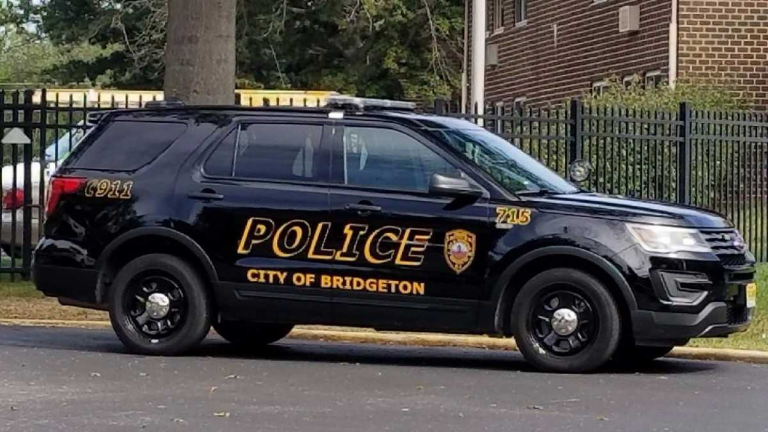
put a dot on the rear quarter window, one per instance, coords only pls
(127, 145)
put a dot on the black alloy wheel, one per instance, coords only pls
(563, 322)
(566, 320)
(159, 305)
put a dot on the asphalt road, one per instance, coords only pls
(82, 380)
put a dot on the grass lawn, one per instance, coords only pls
(21, 300)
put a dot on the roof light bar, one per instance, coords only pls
(366, 104)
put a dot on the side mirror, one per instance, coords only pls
(453, 187)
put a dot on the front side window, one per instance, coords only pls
(282, 152)
(388, 159)
(507, 164)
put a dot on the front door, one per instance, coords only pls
(405, 258)
(261, 195)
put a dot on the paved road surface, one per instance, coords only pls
(82, 380)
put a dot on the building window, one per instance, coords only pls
(519, 104)
(654, 79)
(599, 87)
(498, 15)
(521, 11)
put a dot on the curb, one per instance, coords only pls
(311, 333)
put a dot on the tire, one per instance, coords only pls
(543, 305)
(251, 335)
(131, 306)
(633, 355)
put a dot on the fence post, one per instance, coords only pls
(440, 107)
(576, 131)
(684, 155)
(26, 248)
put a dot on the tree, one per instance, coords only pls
(200, 54)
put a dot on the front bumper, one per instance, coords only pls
(717, 319)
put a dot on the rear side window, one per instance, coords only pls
(284, 152)
(129, 145)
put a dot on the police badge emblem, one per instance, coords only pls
(459, 249)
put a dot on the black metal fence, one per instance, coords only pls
(53, 126)
(713, 160)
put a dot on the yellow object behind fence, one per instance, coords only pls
(94, 98)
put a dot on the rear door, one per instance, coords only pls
(407, 258)
(261, 195)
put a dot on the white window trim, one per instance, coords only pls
(652, 74)
(602, 84)
(519, 101)
(498, 16)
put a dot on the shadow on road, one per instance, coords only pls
(104, 341)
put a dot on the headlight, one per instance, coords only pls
(661, 239)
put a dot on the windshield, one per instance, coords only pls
(507, 164)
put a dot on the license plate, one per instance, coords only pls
(751, 295)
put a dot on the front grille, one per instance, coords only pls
(727, 244)
(733, 260)
(737, 314)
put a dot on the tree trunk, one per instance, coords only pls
(200, 55)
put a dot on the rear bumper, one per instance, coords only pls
(717, 319)
(72, 286)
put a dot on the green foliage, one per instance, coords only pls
(26, 56)
(399, 48)
(703, 95)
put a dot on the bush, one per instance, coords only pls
(703, 96)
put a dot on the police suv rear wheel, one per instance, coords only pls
(251, 335)
(565, 320)
(160, 306)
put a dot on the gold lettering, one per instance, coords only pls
(374, 255)
(415, 242)
(418, 288)
(253, 275)
(358, 284)
(257, 230)
(352, 233)
(325, 281)
(322, 253)
(300, 231)
(370, 285)
(338, 282)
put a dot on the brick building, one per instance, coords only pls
(544, 51)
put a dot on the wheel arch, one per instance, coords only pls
(141, 241)
(550, 257)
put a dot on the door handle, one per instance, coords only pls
(363, 209)
(207, 195)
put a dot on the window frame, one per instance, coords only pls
(598, 87)
(497, 25)
(323, 174)
(656, 76)
(521, 12)
(337, 159)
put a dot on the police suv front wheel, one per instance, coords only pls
(160, 306)
(565, 320)
(251, 335)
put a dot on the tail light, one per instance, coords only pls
(13, 200)
(61, 186)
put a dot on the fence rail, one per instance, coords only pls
(714, 160)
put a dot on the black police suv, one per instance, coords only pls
(365, 213)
